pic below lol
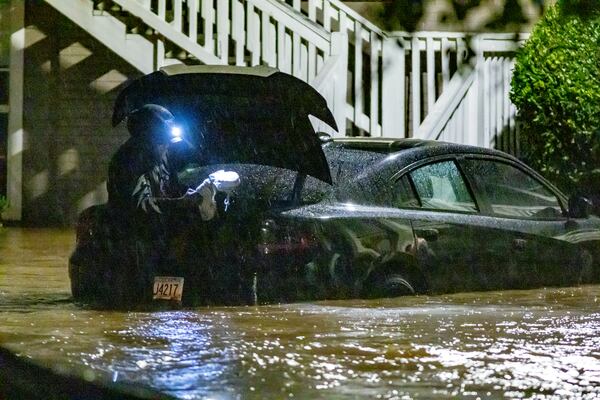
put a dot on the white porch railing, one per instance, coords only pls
(476, 109)
(377, 83)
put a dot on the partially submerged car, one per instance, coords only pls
(321, 218)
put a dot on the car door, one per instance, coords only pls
(529, 215)
(449, 228)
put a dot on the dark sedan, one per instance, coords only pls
(321, 218)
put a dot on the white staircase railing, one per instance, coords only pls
(387, 71)
(475, 109)
(377, 83)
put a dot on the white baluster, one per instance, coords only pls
(393, 88)
(159, 54)
(177, 11)
(358, 76)
(339, 48)
(296, 62)
(499, 92)
(238, 33)
(162, 9)
(303, 62)
(208, 15)
(471, 109)
(253, 26)
(320, 62)
(223, 29)
(312, 10)
(193, 19)
(375, 52)
(445, 57)
(327, 14)
(460, 52)
(268, 41)
(484, 138)
(281, 48)
(312, 62)
(429, 46)
(506, 105)
(415, 83)
(343, 22)
(287, 65)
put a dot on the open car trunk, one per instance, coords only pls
(237, 115)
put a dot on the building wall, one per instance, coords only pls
(70, 83)
(5, 28)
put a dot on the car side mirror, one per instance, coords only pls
(579, 207)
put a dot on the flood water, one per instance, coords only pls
(518, 344)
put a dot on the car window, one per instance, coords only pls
(403, 194)
(440, 186)
(512, 192)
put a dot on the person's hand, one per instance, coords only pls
(208, 206)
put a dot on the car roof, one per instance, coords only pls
(367, 158)
(388, 145)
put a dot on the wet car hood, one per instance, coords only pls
(238, 115)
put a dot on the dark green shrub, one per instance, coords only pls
(556, 88)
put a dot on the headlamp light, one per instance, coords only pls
(176, 134)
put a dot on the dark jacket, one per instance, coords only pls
(141, 187)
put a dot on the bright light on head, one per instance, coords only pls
(176, 134)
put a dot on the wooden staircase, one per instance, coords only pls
(377, 83)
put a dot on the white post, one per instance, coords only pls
(312, 10)
(312, 62)
(177, 15)
(339, 48)
(430, 51)
(252, 28)
(14, 178)
(296, 64)
(415, 83)
(162, 9)
(223, 29)
(506, 105)
(281, 46)
(374, 111)
(208, 14)
(238, 32)
(358, 77)
(445, 57)
(483, 98)
(393, 121)
(327, 15)
(193, 19)
(159, 54)
(287, 65)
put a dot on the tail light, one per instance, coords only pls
(285, 239)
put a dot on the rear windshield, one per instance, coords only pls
(270, 185)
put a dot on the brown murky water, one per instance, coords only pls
(535, 344)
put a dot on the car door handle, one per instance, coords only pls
(519, 244)
(431, 235)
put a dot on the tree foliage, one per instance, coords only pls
(509, 15)
(556, 89)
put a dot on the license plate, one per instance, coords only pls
(167, 288)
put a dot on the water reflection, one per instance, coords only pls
(538, 343)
